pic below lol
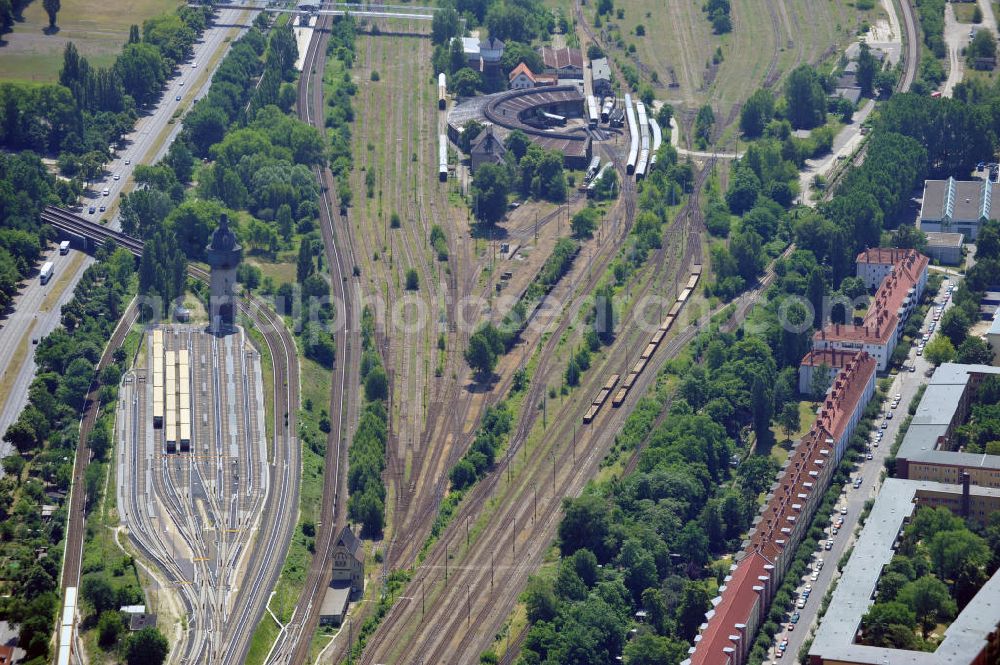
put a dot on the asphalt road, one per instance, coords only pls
(956, 37)
(870, 472)
(27, 320)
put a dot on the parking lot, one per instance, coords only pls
(801, 617)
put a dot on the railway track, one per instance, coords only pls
(295, 639)
(274, 546)
(75, 529)
(490, 486)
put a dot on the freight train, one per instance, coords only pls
(647, 354)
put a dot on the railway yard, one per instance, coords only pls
(194, 474)
(207, 468)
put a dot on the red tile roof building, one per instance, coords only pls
(521, 77)
(743, 601)
(565, 62)
(903, 276)
(834, 360)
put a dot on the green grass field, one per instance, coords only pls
(679, 45)
(964, 11)
(97, 28)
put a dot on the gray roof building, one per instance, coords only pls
(958, 206)
(487, 148)
(565, 62)
(966, 640)
(944, 247)
(600, 73)
(926, 451)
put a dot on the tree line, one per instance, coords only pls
(45, 437)
(647, 541)
(92, 107)
(366, 456)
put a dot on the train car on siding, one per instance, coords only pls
(648, 351)
(685, 294)
(658, 337)
(675, 310)
(642, 162)
(591, 414)
(593, 114)
(595, 165)
(442, 91)
(592, 185)
(654, 129)
(607, 108)
(443, 158)
(619, 397)
(633, 134)
(667, 322)
(630, 379)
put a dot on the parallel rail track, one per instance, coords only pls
(295, 640)
(271, 546)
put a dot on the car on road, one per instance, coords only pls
(843, 510)
(34, 340)
(105, 191)
(91, 210)
(116, 177)
(888, 416)
(795, 617)
(834, 530)
(127, 162)
(194, 65)
(857, 482)
(814, 577)
(920, 352)
(790, 627)
(177, 98)
(103, 207)
(869, 456)
(801, 603)
(885, 424)
(829, 545)
(181, 83)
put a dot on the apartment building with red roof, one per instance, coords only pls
(830, 361)
(902, 276)
(744, 599)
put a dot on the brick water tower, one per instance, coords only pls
(223, 255)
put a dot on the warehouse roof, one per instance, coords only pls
(958, 199)
(940, 409)
(562, 58)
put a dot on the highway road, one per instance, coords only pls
(36, 309)
(904, 384)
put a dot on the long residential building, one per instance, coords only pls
(973, 638)
(745, 596)
(902, 276)
(929, 450)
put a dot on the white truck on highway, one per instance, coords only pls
(64, 247)
(46, 274)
